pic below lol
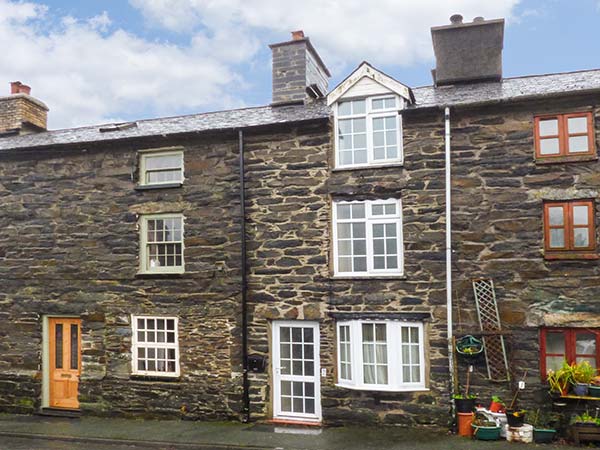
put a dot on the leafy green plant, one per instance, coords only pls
(560, 380)
(543, 420)
(583, 372)
(586, 418)
(497, 399)
(464, 396)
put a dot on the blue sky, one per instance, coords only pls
(100, 61)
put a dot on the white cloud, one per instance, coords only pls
(346, 32)
(88, 73)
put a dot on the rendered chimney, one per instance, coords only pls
(298, 71)
(467, 52)
(20, 113)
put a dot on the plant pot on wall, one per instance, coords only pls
(594, 391)
(464, 405)
(581, 389)
(515, 418)
(543, 435)
(469, 348)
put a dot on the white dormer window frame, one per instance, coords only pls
(374, 123)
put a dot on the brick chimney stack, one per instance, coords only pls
(298, 71)
(20, 113)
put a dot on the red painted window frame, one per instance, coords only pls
(569, 226)
(570, 345)
(564, 135)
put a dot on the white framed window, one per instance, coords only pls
(155, 346)
(368, 131)
(367, 237)
(381, 355)
(161, 243)
(161, 167)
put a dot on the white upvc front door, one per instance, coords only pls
(296, 383)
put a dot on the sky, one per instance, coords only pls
(103, 61)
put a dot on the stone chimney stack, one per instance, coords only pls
(20, 113)
(468, 52)
(298, 71)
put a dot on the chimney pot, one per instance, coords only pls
(16, 87)
(456, 19)
(297, 35)
(22, 114)
(478, 19)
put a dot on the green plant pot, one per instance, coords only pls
(486, 433)
(594, 391)
(543, 435)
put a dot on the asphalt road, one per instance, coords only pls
(14, 443)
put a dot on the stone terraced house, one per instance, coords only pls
(293, 262)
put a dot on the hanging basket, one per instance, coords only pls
(469, 347)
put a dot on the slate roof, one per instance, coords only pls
(508, 89)
(212, 121)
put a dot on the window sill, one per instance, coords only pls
(368, 277)
(160, 274)
(150, 187)
(565, 159)
(382, 389)
(368, 166)
(165, 378)
(571, 256)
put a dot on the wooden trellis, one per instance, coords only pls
(489, 323)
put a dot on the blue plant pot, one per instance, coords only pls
(580, 389)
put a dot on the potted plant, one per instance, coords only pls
(469, 347)
(559, 381)
(594, 388)
(583, 373)
(464, 403)
(484, 429)
(497, 405)
(544, 424)
(515, 417)
(585, 428)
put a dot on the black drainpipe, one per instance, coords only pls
(245, 381)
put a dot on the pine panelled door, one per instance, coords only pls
(65, 362)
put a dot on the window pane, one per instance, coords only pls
(358, 107)
(163, 162)
(343, 211)
(577, 125)
(556, 215)
(592, 361)
(367, 332)
(549, 146)
(360, 141)
(581, 237)
(358, 211)
(359, 126)
(358, 230)
(554, 363)
(578, 144)
(555, 343)
(360, 264)
(58, 334)
(585, 344)
(74, 346)
(548, 127)
(378, 124)
(344, 108)
(360, 157)
(557, 238)
(580, 215)
(345, 126)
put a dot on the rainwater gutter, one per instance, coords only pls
(245, 381)
(448, 189)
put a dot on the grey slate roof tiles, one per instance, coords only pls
(509, 89)
(220, 120)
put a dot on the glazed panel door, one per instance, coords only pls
(65, 361)
(296, 383)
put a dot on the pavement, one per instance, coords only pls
(93, 433)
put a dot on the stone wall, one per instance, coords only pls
(498, 191)
(290, 190)
(70, 247)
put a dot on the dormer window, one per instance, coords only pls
(368, 131)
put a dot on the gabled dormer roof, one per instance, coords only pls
(367, 71)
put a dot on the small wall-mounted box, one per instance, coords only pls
(257, 363)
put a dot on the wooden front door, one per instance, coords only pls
(65, 361)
